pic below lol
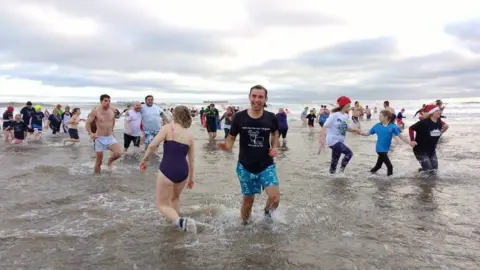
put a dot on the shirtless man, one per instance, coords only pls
(104, 118)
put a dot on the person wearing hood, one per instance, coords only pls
(282, 123)
(7, 119)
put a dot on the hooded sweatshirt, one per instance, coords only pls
(282, 121)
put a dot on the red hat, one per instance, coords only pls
(343, 100)
(10, 109)
(431, 109)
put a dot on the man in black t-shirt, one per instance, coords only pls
(26, 113)
(256, 169)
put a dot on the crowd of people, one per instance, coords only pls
(258, 129)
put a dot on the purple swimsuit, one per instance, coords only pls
(174, 163)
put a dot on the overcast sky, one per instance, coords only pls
(217, 49)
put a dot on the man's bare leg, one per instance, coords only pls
(117, 152)
(273, 193)
(98, 162)
(246, 209)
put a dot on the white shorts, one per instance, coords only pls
(101, 144)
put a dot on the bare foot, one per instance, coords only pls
(110, 165)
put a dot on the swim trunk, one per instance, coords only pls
(73, 132)
(149, 136)
(253, 183)
(101, 144)
(37, 128)
(211, 125)
(128, 139)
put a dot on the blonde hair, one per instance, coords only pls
(182, 116)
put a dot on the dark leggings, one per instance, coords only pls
(227, 131)
(383, 158)
(337, 150)
(428, 161)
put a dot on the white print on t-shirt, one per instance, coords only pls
(435, 133)
(255, 139)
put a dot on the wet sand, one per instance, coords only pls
(57, 215)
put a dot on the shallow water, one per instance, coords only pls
(57, 215)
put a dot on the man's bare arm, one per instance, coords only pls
(275, 139)
(230, 141)
(90, 119)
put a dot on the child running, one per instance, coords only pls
(385, 130)
(323, 115)
(175, 172)
(311, 118)
(73, 126)
(428, 132)
(400, 117)
(334, 131)
(19, 129)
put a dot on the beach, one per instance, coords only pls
(56, 214)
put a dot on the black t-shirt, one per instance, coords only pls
(26, 112)
(6, 119)
(37, 118)
(311, 119)
(19, 129)
(427, 134)
(254, 139)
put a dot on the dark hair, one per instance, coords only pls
(104, 96)
(149, 96)
(389, 115)
(29, 103)
(75, 110)
(386, 103)
(355, 119)
(259, 87)
(356, 102)
(142, 103)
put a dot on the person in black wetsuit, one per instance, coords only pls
(424, 136)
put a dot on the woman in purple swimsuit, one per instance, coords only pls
(175, 172)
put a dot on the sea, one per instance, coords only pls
(56, 214)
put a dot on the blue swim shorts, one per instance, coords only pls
(253, 183)
(149, 136)
(37, 128)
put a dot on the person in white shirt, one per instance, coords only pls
(133, 120)
(333, 134)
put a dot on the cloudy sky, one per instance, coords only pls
(217, 49)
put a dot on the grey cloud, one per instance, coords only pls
(129, 41)
(467, 32)
(365, 69)
(273, 13)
